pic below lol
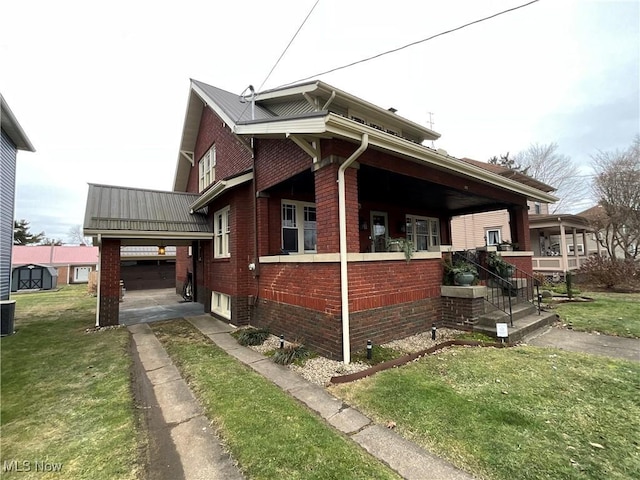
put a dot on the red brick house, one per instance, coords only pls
(304, 185)
(302, 188)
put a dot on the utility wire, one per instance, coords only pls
(282, 54)
(411, 44)
(289, 44)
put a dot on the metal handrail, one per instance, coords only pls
(528, 292)
(497, 299)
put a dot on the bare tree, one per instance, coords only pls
(544, 163)
(76, 236)
(617, 188)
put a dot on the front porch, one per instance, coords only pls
(560, 243)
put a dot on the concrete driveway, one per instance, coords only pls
(604, 345)
(144, 306)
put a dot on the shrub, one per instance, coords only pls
(291, 353)
(251, 336)
(611, 272)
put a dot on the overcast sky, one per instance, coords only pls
(101, 88)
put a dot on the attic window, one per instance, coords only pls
(207, 168)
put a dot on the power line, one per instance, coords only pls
(282, 54)
(410, 44)
(289, 44)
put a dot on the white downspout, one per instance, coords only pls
(344, 277)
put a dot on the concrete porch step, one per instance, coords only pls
(518, 310)
(522, 326)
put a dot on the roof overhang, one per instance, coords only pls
(332, 125)
(10, 125)
(218, 189)
(554, 221)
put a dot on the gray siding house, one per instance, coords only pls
(12, 139)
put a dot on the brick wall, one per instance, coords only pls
(321, 332)
(232, 156)
(387, 300)
(183, 264)
(278, 160)
(382, 284)
(457, 312)
(381, 325)
(109, 282)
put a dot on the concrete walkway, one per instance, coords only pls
(406, 458)
(182, 444)
(186, 448)
(603, 345)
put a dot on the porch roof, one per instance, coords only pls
(554, 221)
(143, 217)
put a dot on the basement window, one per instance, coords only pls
(221, 304)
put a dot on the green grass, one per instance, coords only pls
(379, 354)
(512, 414)
(65, 393)
(269, 433)
(609, 313)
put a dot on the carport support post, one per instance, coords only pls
(109, 291)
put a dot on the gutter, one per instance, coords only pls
(344, 277)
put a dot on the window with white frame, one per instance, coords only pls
(493, 236)
(423, 232)
(537, 208)
(222, 226)
(221, 304)
(207, 168)
(580, 248)
(299, 227)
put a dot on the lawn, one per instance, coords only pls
(517, 413)
(609, 313)
(66, 395)
(268, 432)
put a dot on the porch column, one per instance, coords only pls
(563, 248)
(109, 292)
(519, 227)
(584, 243)
(262, 213)
(576, 254)
(327, 215)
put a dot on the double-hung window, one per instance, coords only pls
(207, 168)
(493, 236)
(423, 232)
(222, 226)
(299, 231)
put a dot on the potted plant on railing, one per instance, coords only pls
(401, 245)
(459, 273)
(505, 246)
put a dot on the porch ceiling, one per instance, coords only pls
(378, 185)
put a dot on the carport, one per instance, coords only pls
(121, 216)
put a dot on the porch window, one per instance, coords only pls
(493, 236)
(580, 248)
(207, 168)
(221, 304)
(222, 230)
(423, 232)
(299, 231)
